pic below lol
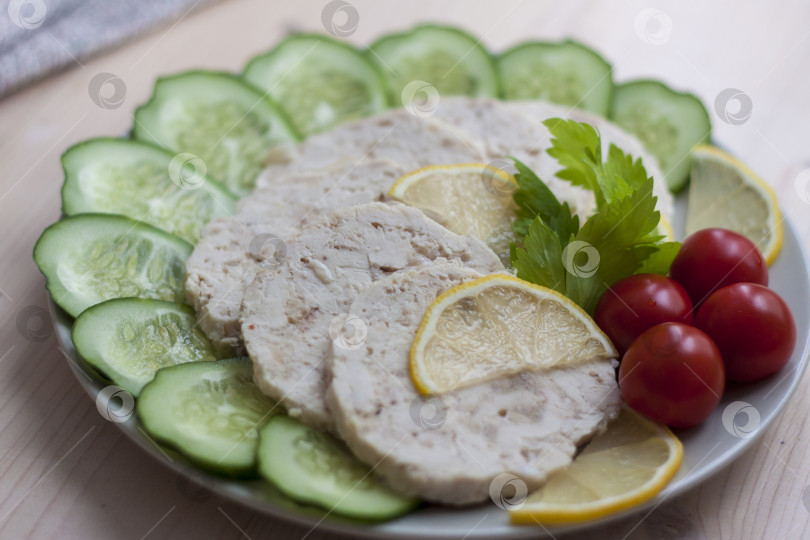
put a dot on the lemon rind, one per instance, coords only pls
(557, 514)
(775, 219)
(401, 185)
(429, 320)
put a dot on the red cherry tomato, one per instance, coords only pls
(753, 328)
(713, 258)
(673, 373)
(636, 303)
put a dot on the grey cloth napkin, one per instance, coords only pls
(40, 37)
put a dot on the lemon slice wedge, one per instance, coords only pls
(474, 199)
(664, 228)
(499, 325)
(725, 193)
(626, 466)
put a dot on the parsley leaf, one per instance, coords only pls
(534, 199)
(620, 175)
(540, 259)
(577, 147)
(660, 261)
(616, 237)
(619, 240)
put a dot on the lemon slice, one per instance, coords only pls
(725, 193)
(499, 325)
(664, 228)
(627, 465)
(474, 199)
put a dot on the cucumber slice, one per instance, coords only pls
(566, 73)
(313, 468)
(218, 117)
(129, 339)
(89, 258)
(210, 411)
(318, 81)
(449, 59)
(132, 178)
(669, 123)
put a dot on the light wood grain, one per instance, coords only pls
(67, 473)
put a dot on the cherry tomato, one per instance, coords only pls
(713, 258)
(636, 303)
(753, 328)
(673, 373)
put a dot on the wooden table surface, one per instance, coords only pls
(66, 472)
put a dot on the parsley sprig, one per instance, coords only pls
(620, 239)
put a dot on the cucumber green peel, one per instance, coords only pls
(313, 468)
(89, 258)
(668, 123)
(318, 81)
(449, 59)
(566, 73)
(209, 411)
(130, 339)
(229, 124)
(136, 179)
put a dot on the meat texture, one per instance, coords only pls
(356, 163)
(450, 448)
(396, 135)
(292, 312)
(234, 248)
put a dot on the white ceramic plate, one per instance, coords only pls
(742, 416)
